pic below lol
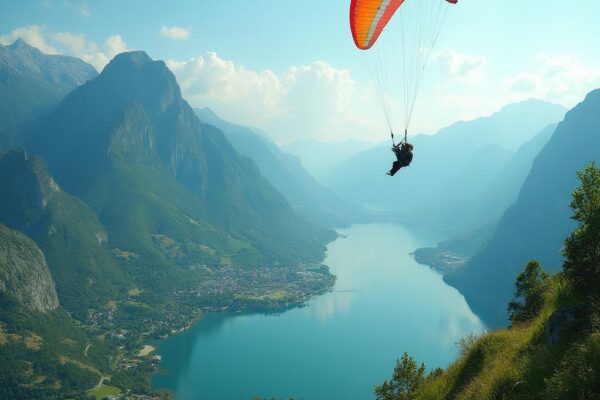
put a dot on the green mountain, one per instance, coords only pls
(537, 224)
(31, 83)
(286, 173)
(466, 154)
(65, 228)
(131, 148)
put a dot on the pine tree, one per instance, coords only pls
(407, 378)
(529, 294)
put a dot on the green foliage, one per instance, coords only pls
(578, 375)
(407, 379)
(531, 284)
(582, 247)
(466, 343)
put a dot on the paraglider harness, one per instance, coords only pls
(403, 152)
(402, 149)
(405, 140)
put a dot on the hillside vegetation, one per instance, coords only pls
(552, 349)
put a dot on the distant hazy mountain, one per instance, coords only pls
(24, 274)
(319, 158)
(32, 82)
(536, 226)
(480, 192)
(474, 150)
(66, 229)
(131, 147)
(286, 174)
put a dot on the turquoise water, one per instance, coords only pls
(342, 344)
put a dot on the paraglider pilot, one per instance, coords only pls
(404, 156)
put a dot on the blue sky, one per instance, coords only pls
(291, 68)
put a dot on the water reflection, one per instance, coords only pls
(335, 303)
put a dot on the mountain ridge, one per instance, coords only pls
(536, 225)
(32, 83)
(286, 173)
(148, 135)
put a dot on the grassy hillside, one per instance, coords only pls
(519, 363)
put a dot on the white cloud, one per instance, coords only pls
(310, 101)
(561, 79)
(32, 34)
(77, 45)
(465, 67)
(174, 32)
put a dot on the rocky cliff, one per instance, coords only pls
(23, 272)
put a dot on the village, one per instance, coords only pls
(133, 325)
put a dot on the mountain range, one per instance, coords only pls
(538, 223)
(287, 174)
(135, 141)
(320, 158)
(448, 168)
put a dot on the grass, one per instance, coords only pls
(134, 292)
(513, 363)
(277, 295)
(137, 304)
(104, 390)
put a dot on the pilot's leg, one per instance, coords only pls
(395, 168)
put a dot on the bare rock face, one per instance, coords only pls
(24, 273)
(558, 322)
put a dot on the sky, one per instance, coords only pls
(291, 67)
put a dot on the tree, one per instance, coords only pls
(529, 294)
(407, 379)
(582, 247)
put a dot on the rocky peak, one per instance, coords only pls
(135, 77)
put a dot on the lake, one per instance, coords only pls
(343, 343)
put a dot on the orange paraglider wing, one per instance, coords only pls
(368, 18)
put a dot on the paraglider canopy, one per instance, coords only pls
(369, 17)
(411, 44)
